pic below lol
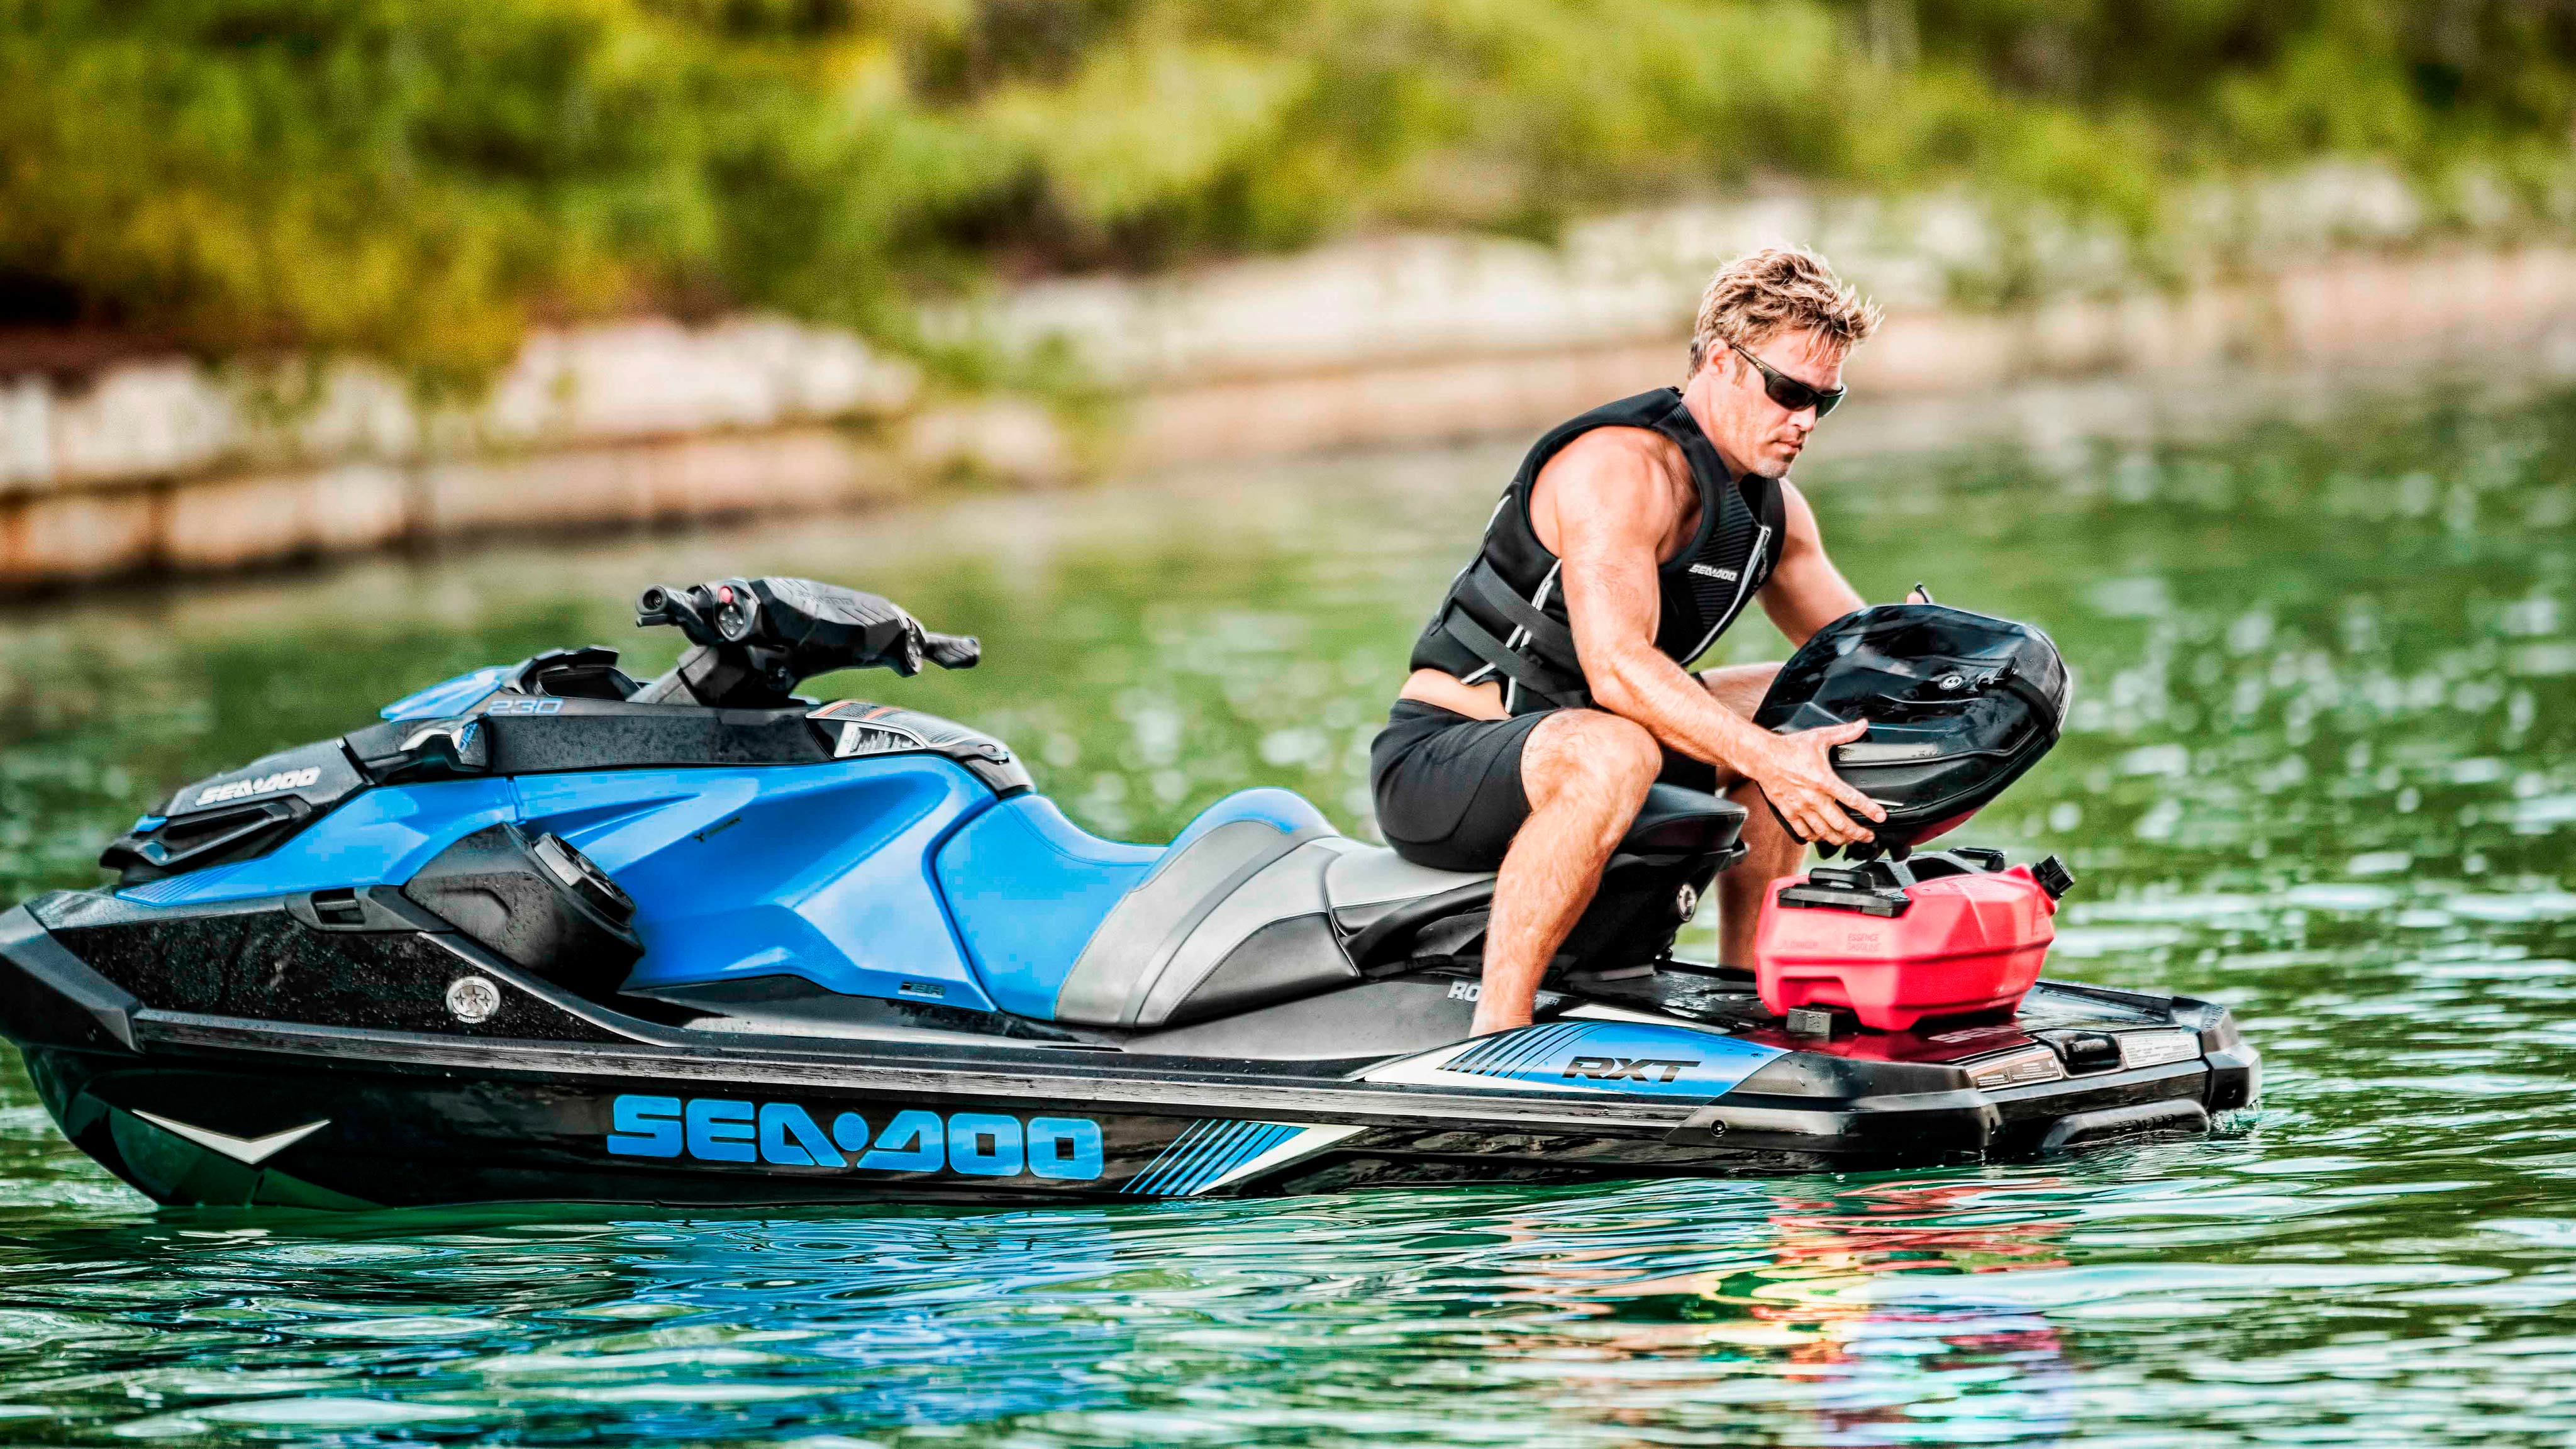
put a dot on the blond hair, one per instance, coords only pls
(1762, 294)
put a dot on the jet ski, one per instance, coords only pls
(545, 932)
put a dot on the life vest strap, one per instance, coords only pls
(1528, 673)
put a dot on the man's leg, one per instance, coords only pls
(1585, 774)
(1770, 851)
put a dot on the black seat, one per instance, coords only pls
(1677, 820)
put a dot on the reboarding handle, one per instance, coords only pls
(757, 639)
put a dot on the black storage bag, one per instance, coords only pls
(1959, 705)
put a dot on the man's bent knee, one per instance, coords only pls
(1586, 747)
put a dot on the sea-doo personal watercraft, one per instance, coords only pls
(549, 933)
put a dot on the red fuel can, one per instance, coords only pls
(1944, 933)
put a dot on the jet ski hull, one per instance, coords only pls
(201, 1108)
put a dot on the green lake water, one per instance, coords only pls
(2319, 770)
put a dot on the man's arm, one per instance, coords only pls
(1805, 591)
(1612, 501)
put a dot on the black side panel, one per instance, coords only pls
(261, 963)
(48, 995)
(592, 736)
(494, 887)
(1295, 957)
(535, 735)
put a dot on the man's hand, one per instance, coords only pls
(1796, 772)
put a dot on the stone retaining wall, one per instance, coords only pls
(2339, 312)
(166, 465)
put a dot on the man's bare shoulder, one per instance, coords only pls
(1636, 452)
(1630, 472)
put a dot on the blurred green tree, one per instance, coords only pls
(421, 179)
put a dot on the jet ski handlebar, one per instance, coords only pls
(757, 639)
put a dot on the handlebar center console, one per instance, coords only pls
(754, 640)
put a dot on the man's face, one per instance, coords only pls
(1756, 433)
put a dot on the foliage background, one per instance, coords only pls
(421, 179)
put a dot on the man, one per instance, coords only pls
(1551, 689)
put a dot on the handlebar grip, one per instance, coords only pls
(952, 651)
(661, 604)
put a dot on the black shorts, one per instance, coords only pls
(1448, 788)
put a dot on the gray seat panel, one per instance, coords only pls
(1287, 959)
(1148, 927)
(1288, 887)
(1362, 884)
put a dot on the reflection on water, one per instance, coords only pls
(2319, 771)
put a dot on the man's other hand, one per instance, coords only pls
(1797, 774)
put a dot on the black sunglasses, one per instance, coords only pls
(1787, 391)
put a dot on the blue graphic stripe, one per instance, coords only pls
(1240, 1148)
(1204, 1140)
(1508, 1053)
(1538, 1046)
(1214, 1158)
(1181, 1160)
(1566, 1037)
(1209, 1138)
(1490, 1052)
(1205, 1151)
(1172, 1152)
(1268, 1140)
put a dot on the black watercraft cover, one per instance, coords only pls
(1959, 705)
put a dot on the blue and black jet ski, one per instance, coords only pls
(547, 932)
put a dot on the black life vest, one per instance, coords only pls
(1504, 616)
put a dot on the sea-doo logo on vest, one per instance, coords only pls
(783, 1134)
(259, 785)
(1712, 571)
(1611, 1069)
